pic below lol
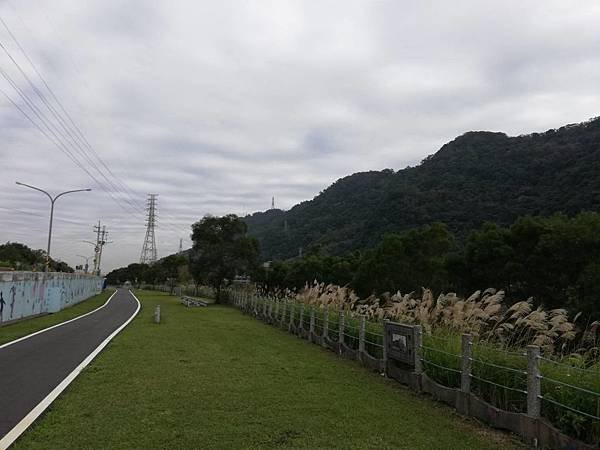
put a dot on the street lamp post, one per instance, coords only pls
(52, 200)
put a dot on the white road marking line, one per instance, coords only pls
(58, 324)
(18, 429)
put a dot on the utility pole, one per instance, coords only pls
(52, 200)
(102, 243)
(148, 255)
(101, 236)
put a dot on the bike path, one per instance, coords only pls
(33, 368)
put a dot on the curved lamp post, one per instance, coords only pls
(52, 200)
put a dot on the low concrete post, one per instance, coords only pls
(341, 326)
(384, 349)
(157, 314)
(466, 362)
(311, 329)
(325, 323)
(291, 323)
(417, 350)
(534, 391)
(361, 334)
(283, 312)
(301, 319)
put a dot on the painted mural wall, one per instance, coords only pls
(24, 294)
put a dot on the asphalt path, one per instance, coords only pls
(32, 368)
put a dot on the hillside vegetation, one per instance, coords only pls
(478, 177)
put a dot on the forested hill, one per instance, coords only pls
(478, 177)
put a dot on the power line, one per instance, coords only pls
(74, 135)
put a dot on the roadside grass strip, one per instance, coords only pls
(215, 378)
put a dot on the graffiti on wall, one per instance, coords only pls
(24, 294)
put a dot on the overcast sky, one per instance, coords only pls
(218, 106)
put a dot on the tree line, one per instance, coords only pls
(16, 256)
(555, 260)
(221, 250)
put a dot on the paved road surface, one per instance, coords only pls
(32, 368)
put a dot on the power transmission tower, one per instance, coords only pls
(148, 255)
(180, 246)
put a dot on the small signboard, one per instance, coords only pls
(400, 341)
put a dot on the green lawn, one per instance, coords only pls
(214, 378)
(28, 326)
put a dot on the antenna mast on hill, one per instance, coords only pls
(273, 202)
(149, 249)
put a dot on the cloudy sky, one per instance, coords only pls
(217, 106)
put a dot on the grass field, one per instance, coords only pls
(214, 378)
(24, 327)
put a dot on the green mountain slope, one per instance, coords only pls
(478, 177)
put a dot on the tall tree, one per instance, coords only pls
(221, 250)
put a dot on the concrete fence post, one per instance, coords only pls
(325, 323)
(301, 319)
(341, 325)
(384, 349)
(157, 314)
(283, 312)
(361, 334)
(270, 312)
(466, 362)
(276, 311)
(311, 329)
(418, 349)
(264, 308)
(291, 323)
(534, 391)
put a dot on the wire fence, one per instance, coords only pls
(569, 396)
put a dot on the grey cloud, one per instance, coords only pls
(218, 106)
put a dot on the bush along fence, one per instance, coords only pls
(547, 403)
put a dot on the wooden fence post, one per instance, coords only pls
(361, 334)
(466, 362)
(417, 349)
(311, 329)
(534, 391)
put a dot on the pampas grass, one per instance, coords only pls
(484, 315)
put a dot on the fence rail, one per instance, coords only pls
(514, 382)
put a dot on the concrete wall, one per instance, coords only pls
(24, 294)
